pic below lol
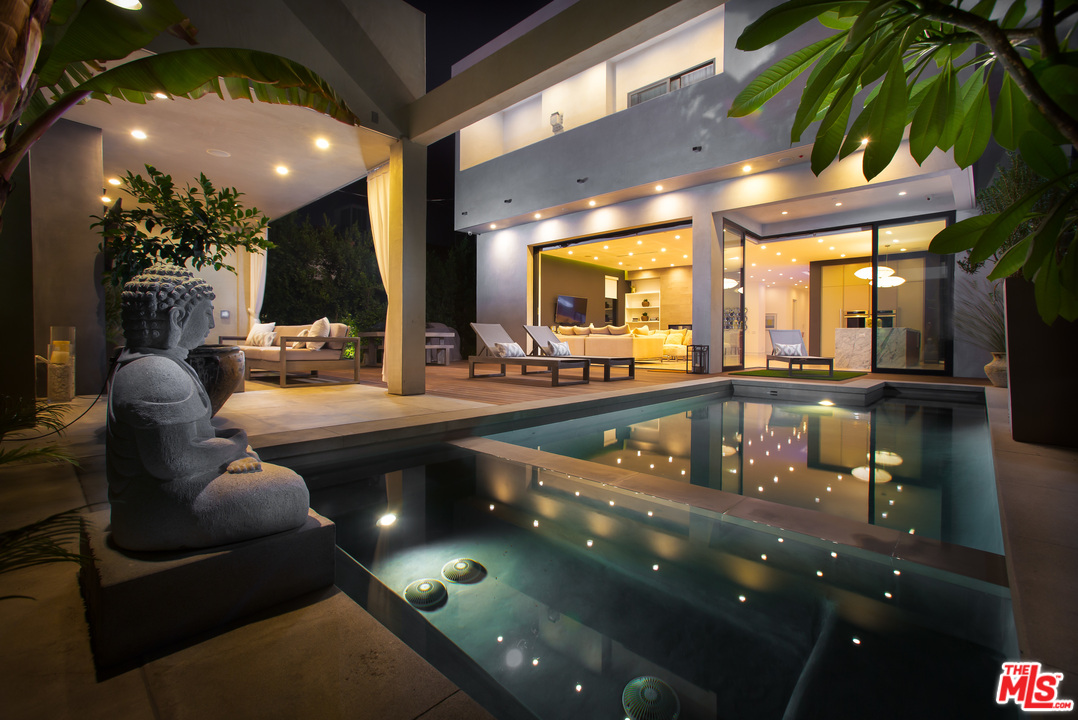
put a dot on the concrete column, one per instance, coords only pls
(66, 176)
(406, 321)
(707, 283)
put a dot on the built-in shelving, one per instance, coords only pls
(644, 302)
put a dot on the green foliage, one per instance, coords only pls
(199, 226)
(17, 414)
(894, 65)
(323, 271)
(451, 283)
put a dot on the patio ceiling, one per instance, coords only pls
(236, 144)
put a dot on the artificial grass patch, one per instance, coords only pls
(800, 374)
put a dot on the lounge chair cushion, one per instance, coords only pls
(319, 328)
(794, 350)
(558, 349)
(508, 350)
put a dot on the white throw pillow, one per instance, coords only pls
(794, 350)
(319, 328)
(265, 339)
(508, 350)
(299, 343)
(558, 349)
(258, 330)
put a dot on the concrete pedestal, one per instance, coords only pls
(141, 602)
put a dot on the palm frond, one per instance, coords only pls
(42, 542)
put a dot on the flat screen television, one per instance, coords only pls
(570, 310)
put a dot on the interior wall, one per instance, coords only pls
(65, 172)
(566, 277)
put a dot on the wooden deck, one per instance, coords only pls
(452, 381)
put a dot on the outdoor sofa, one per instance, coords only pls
(291, 349)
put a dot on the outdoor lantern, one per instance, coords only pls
(555, 122)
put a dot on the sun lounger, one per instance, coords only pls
(543, 336)
(490, 334)
(783, 340)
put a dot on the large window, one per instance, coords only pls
(683, 79)
(733, 296)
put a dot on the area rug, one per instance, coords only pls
(800, 374)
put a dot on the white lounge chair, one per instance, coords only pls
(543, 336)
(793, 340)
(490, 334)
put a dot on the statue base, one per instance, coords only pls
(139, 603)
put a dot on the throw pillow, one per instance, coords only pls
(564, 330)
(319, 328)
(258, 329)
(582, 331)
(674, 338)
(299, 343)
(508, 350)
(794, 350)
(641, 331)
(618, 329)
(605, 330)
(558, 349)
(688, 338)
(264, 339)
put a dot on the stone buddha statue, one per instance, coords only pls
(175, 481)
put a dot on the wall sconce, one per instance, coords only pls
(555, 122)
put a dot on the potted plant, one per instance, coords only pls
(198, 226)
(979, 316)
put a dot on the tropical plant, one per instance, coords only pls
(16, 415)
(53, 55)
(921, 63)
(197, 226)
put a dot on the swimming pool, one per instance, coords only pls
(588, 586)
(919, 467)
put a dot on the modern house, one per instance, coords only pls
(621, 182)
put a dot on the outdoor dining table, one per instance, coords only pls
(434, 343)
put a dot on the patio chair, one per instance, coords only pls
(788, 346)
(544, 336)
(491, 334)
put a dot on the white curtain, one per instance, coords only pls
(256, 287)
(378, 190)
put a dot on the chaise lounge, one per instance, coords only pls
(788, 346)
(497, 343)
(546, 340)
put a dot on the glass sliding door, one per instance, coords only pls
(911, 304)
(733, 297)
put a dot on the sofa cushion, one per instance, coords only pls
(273, 354)
(319, 328)
(674, 338)
(564, 330)
(618, 329)
(641, 331)
(299, 344)
(337, 330)
(576, 344)
(688, 337)
(260, 335)
(605, 330)
(581, 331)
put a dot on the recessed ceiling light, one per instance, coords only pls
(842, 255)
(831, 248)
(838, 204)
(820, 240)
(639, 242)
(493, 226)
(763, 247)
(619, 263)
(282, 170)
(630, 254)
(321, 144)
(864, 141)
(537, 216)
(793, 259)
(106, 199)
(778, 253)
(785, 213)
(746, 168)
(902, 249)
(606, 247)
(160, 96)
(114, 181)
(658, 188)
(677, 237)
(671, 264)
(138, 134)
(127, 4)
(594, 257)
(902, 193)
(663, 249)
(754, 265)
(591, 203)
(652, 259)
(639, 267)
(685, 256)
(218, 153)
(570, 252)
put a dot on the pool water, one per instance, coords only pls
(590, 586)
(919, 467)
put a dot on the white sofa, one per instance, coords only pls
(605, 344)
(303, 359)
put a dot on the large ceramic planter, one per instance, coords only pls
(220, 368)
(1040, 372)
(997, 369)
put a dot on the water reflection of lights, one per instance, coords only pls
(862, 473)
(886, 457)
(727, 451)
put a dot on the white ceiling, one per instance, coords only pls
(258, 137)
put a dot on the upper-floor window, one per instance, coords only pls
(673, 82)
